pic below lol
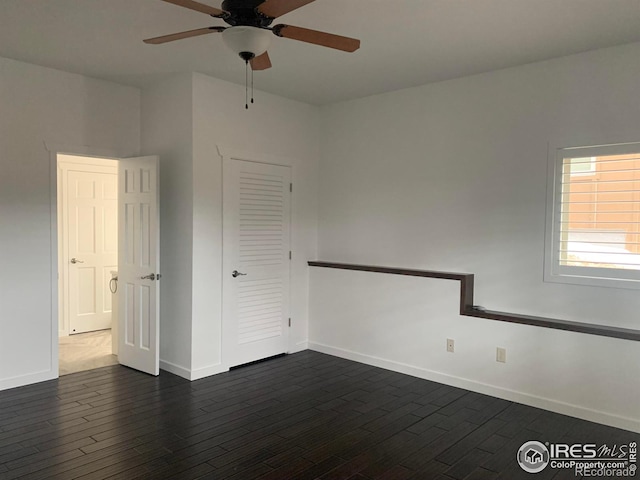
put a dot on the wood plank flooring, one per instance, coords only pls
(304, 416)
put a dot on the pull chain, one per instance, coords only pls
(252, 85)
(246, 85)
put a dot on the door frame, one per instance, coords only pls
(63, 241)
(229, 154)
(54, 150)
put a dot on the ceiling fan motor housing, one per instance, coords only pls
(248, 42)
(245, 13)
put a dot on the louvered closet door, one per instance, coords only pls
(256, 240)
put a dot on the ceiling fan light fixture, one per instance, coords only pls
(248, 42)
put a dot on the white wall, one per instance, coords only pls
(185, 120)
(41, 106)
(167, 124)
(272, 126)
(452, 176)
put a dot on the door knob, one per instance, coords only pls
(151, 276)
(75, 260)
(236, 273)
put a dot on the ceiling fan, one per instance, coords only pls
(248, 33)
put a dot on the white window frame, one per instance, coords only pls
(553, 271)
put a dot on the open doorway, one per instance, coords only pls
(88, 261)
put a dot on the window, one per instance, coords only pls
(593, 221)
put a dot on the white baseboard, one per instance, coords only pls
(189, 374)
(28, 379)
(207, 371)
(552, 405)
(175, 369)
(299, 347)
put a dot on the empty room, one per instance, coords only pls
(319, 239)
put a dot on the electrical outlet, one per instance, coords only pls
(501, 355)
(449, 345)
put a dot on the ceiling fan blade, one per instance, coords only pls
(181, 35)
(261, 62)
(276, 8)
(198, 7)
(324, 39)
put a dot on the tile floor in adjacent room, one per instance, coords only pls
(85, 351)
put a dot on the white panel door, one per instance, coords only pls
(256, 243)
(138, 264)
(92, 231)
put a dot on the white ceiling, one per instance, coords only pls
(404, 42)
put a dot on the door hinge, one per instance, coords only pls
(291, 187)
(289, 322)
(289, 254)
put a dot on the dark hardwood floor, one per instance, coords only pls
(303, 416)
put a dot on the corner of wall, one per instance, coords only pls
(167, 132)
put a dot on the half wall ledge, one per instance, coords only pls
(467, 308)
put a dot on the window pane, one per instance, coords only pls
(600, 212)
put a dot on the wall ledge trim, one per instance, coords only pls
(468, 309)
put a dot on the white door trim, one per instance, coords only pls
(55, 149)
(228, 153)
